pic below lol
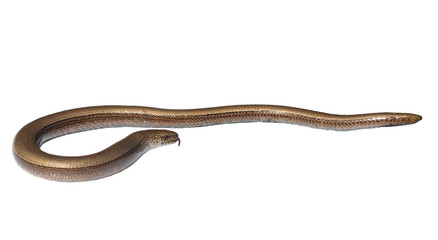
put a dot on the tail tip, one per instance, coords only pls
(414, 118)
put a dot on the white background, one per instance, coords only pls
(246, 181)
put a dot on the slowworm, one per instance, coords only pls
(28, 141)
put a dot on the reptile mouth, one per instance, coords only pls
(171, 140)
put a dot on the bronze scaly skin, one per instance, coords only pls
(27, 143)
